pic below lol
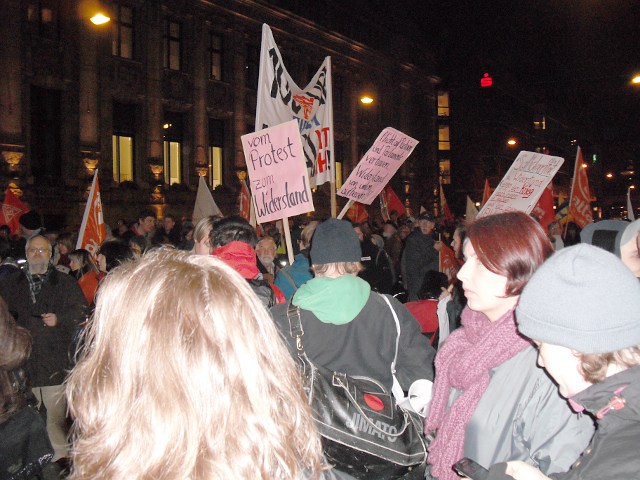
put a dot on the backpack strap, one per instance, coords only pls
(396, 389)
(295, 325)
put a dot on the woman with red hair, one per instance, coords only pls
(491, 402)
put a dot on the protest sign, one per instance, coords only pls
(378, 165)
(523, 184)
(277, 172)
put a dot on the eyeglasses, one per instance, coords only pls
(37, 250)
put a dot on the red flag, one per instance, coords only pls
(92, 230)
(357, 213)
(245, 201)
(12, 209)
(486, 193)
(580, 199)
(392, 202)
(544, 208)
(449, 264)
(446, 211)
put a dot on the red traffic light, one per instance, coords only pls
(486, 81)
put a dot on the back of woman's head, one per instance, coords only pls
(510, 244)
(203, 228)
(185, 376)
(15, 348)
(115, 253)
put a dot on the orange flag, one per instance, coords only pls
(12, 209)
(93, 230)
(544, 208)
(245, 201)
(580, 199)
(449, 264)
(357, 213)
(446, 211)
(486, 193)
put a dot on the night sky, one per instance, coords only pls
(575, 56)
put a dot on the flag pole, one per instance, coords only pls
(332, 161)
(345, 209)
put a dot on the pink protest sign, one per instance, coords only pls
(277, 172)
(378, 165)
(522, 186)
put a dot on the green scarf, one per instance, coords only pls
(333, 300)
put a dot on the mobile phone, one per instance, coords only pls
(468, 468)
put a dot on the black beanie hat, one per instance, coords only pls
(335, 241)
(30, 220)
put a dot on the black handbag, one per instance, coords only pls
(364, 431)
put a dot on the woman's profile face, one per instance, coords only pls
(73, 264)
(485, 290)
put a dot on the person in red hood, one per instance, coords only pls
(233, 240)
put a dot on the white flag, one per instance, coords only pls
(281, 100)
(205, 204)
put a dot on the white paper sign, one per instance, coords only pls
(379, 164)
(523, 184)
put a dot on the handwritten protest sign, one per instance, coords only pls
(523, 184)
(277, 172)
(378, 165)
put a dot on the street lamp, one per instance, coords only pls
(366, 99)
(512, 142)
(99, 19)
(636, 80)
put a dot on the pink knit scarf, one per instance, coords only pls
(464, 362)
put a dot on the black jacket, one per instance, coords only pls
(60, 294)
(613, 451)
(366, 345)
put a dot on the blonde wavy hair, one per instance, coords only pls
(185, 376)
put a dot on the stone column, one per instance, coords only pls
(239, 94)
(155, 114)
(11, 67)
(199, 111)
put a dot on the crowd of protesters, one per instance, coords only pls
(178, 370)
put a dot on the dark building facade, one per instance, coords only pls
(161, 94)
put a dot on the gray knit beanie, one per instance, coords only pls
(335, 241)
(583, 298)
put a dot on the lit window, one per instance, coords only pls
(124, 120)
(216, 148)
(173, 138)
(172, 45)
(443, 104)
(122, 158)
(443, 138)
(215, 56)
(44, 15)
(172, 162)
(122, 41)
(445, 172)
(338, 175)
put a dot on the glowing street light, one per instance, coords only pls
(366, 99)
(609, 175)
(512, 142)
(636, 80)
(99, 19)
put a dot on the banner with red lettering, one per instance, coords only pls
(281, 100)
(449, 264)
(12, 209)
(580, 199)
(92, 230)
(543, 210)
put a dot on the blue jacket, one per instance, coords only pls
(299, 271)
